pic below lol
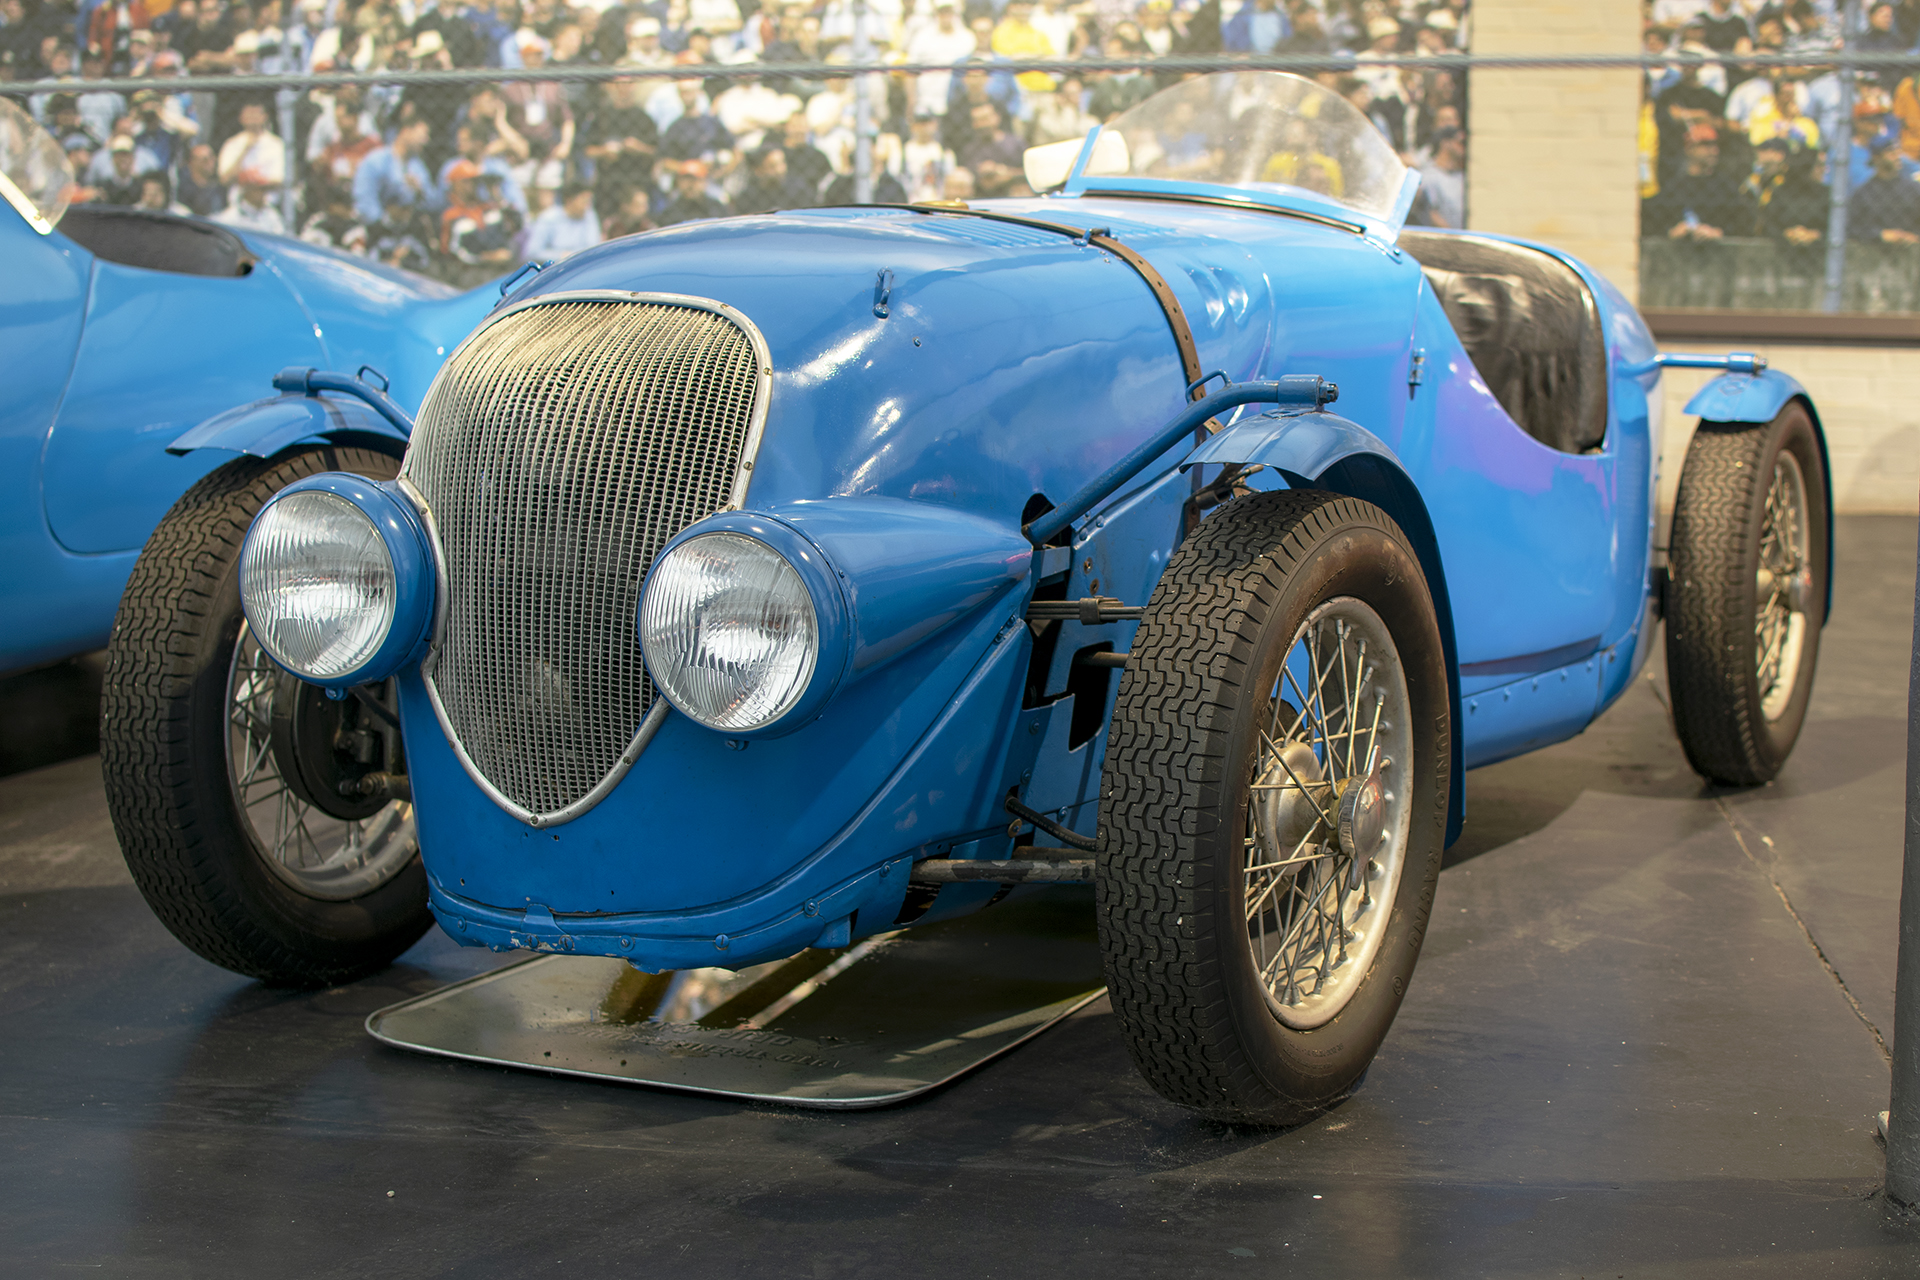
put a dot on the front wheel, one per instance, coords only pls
(235, 789)
(1746, 593)
(1274, 806)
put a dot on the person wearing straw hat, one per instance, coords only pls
(252, 209)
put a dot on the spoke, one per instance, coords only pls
(255, 762)
(282, 827)
(1373, 733)
(1306, 702)
(1288, 862)
(1350, 705)
(1310, 931)
(253, 802)
(1311, 706)
(1309, 912)
(1323, 720)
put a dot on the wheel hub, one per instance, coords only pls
(323, 750)
(1363, 821)
(1289, 796)
(1796, 586)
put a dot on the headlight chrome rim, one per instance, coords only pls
(408, 571)
(822, 591)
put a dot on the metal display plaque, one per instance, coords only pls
(863, 1026)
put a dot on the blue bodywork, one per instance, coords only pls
(913, 427)
(108, 364)
(899, 453)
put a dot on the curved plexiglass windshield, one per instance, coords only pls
(1262, 131)
(36, 176)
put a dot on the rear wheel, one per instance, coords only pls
(236, 789)
(1274, 807)
(1747, 591)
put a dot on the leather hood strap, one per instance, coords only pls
(1101, 239)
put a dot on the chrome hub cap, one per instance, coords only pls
(1363, 822)
(316, 854)
(1783, 588)
(1327, 813)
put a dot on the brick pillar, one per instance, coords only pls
(1554, 154)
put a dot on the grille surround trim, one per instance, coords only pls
(749, 451)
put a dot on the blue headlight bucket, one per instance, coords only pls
(405, 536)
(830, 611)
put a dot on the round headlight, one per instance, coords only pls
(729, 631)
(317, 584)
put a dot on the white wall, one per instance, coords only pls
(1554, 154)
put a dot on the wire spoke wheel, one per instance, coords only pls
(1315, 906)
(1274, 806)
(314, 852)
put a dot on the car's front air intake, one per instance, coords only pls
(561, 447)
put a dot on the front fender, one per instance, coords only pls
(1744, 397)
(1299, 445)
(268, 426)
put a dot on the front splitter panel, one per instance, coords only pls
(864, 1026)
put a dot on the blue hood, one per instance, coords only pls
(964, 394)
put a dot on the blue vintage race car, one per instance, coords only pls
(767, 584)
(123, 329)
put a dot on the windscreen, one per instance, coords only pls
(1264, 130)
(35, 177)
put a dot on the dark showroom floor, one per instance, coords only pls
(1646, 1038)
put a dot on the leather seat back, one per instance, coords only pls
(1532, 329)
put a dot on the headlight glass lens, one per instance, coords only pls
(729, 631)
(317, 584)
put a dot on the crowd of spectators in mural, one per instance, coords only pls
(467, 180)
(1733, 149)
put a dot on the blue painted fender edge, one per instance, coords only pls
(1304, 443)
(265, 427)
(1744, 397)
(1756, 398)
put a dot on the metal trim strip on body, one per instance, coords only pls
(749, 450)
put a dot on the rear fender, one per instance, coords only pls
(267, 427)
(1745, 397)
(1758, 398)
(1315, 450)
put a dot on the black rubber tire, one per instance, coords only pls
(1714, 554)
(1168, 877)
(163, 723)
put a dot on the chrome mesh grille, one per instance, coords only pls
(559, 450)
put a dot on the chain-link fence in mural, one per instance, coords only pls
(1779, 147)
(460, 144)
(1780, 143)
